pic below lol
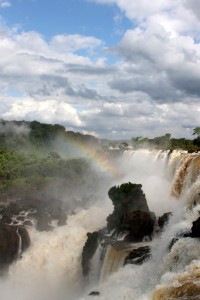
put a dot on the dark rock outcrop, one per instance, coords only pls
(94, 293)
(43, 211)
(139, 224)
(26, 241)
(131, 218)
(163, 220)
(193, 233)
(131, 212)
(10, 242)
(195, 230)
(89, 250)
(138, 256)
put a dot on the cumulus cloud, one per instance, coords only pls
(152, 86)
(49, 111)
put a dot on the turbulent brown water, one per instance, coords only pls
(51, 267)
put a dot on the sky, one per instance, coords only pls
(112, 68)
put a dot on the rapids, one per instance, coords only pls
(51, 267)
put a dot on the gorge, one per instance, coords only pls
(51, 267)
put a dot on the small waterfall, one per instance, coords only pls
(20, 244)
(186, 175)
(114, 259)
(95, 266)
(175, 159)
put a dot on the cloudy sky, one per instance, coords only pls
(113, 68)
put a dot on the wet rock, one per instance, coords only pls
(89, 249)
(195, 230)
(163, 220)
(26, 241)
(94, 293)
(27, 223)
(43, 221)
(20, 218)
(194, 233)
(9, 244)
(139, 224)
(126, 198)
(138, 256)
(43, 210)
(177, 238)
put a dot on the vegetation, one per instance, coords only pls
(36, 137)
(21, 170)
(166, 142)
(196, 141)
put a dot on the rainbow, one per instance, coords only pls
(102, 163)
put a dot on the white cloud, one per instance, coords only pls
(49, 111)
(4, 4)
(65, 43)
(152, 88)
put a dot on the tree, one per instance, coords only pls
(196, 131)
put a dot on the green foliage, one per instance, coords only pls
(20, 170)
(196, 131)
(36, 137)
(166, 142)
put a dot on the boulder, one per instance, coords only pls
(138, 256)
(94, 293)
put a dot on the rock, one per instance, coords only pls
(139, 224)
(138, 256)
(89, 249)
(43, 221)
(126, 198)
(43, 210)
(20, 218)
(9, 244)
(195, 228)
(26, 241)
(194, 233)
(94, 293)
(163, 220)
(27, 223)
(177, 238)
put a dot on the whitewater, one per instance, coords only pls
(51, 267)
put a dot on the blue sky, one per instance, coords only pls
(106, 22)
(112, 68)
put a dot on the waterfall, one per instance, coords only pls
(20, 244)
(114, 259)
(51, 267)
(169, 274)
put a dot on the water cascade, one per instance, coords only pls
(171, 181)
(51, 267)
(114, 259)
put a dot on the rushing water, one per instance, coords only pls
(51, 267)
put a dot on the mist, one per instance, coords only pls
(51, 267)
